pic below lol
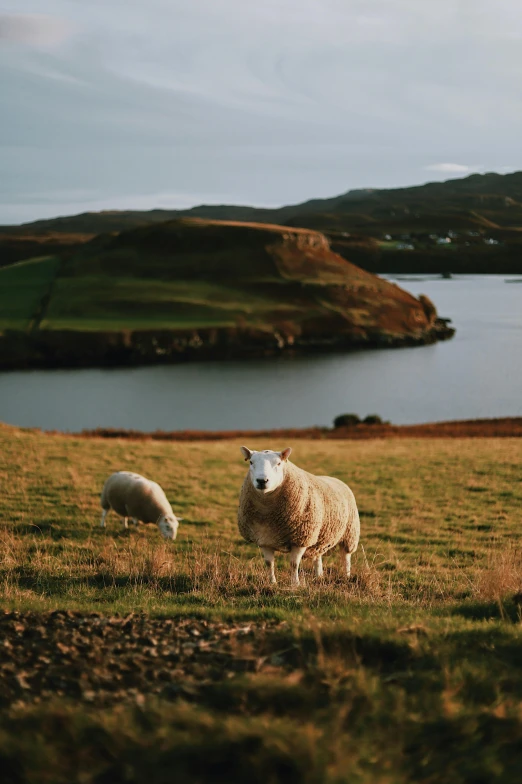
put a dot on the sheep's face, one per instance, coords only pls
(267, 469)
(168, 526)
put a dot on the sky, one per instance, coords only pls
(136, 104)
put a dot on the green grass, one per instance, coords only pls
(23, 286)
(408, 673)
(105, 303)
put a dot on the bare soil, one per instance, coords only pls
(94, 658)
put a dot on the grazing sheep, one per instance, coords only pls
(282, 507)
(131, 495)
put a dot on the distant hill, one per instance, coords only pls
(476, 209)
(197, 288)
(492, 200)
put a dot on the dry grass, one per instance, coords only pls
(501, 577)
(440, 524)
(409, 672)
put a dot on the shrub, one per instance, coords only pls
(374, 419)
(346, 420)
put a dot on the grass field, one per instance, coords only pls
(23, 287)
(408, 673)
(98, 303)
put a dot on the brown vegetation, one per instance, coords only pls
(506, 427)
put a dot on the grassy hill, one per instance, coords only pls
(488, 199)
(477, 208)
(127, 659)
(23, 290)
(200, 288)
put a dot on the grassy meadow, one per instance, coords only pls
(408, 672)
(23, 289)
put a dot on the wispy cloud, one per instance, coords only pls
(260, 103)
(452, 168)
(34, 29)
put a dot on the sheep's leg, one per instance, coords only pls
(319, 566)
(104, 515)
(269, 556)
(347, 562)
(125, 523)
(296, 553)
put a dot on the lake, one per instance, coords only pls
(476, 374)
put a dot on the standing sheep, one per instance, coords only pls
(282, 507)
(131, 495)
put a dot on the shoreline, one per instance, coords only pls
(60, 350)
(498, 427)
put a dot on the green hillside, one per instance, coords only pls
(24, 288)
(193, 287)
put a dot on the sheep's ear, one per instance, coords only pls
(247, 454)
(285, 454)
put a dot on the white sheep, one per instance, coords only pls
(131, 495)
(282, 507)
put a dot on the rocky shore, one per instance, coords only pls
(71, 349)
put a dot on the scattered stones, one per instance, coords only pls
(104, 660)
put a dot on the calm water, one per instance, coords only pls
(477, 374)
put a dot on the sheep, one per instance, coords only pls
(131, 495)
(282, 507)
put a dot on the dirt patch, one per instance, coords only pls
(107, 659)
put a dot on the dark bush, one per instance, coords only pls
(374, 419)
(346, 420)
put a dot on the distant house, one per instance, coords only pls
(452, 234)
(443, 240)
(387, 237)
(491, 241)
(404, 246)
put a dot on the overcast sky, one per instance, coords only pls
(117, 104)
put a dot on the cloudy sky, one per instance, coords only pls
(116, 104)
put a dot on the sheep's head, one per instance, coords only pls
(267, 469)
(168, 525)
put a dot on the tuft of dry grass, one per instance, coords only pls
(502, 575)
